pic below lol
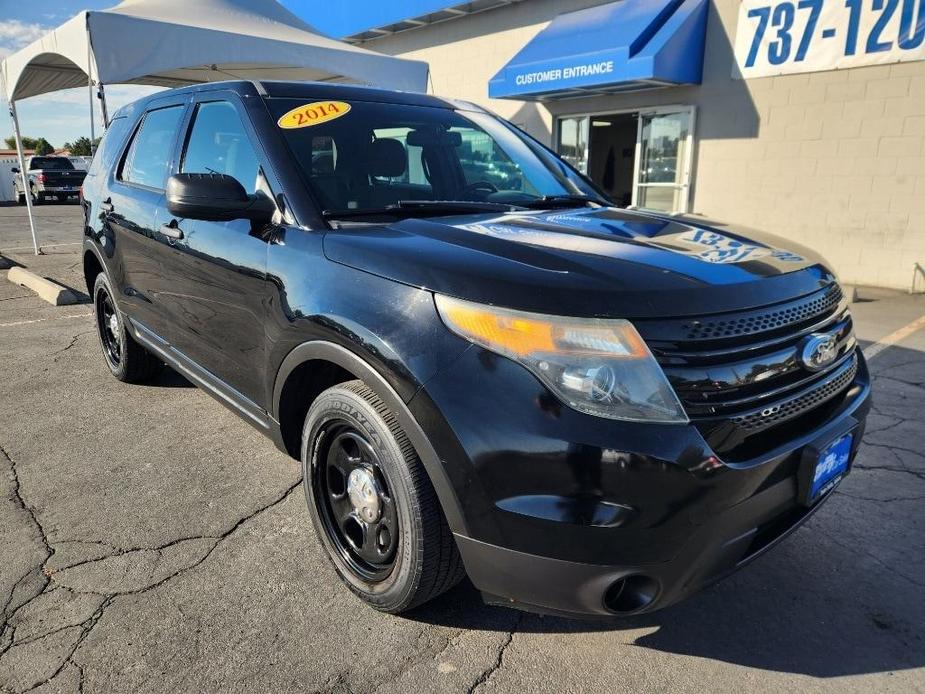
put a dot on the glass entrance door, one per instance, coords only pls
(657, 170)
(663, 159)
(572, 142)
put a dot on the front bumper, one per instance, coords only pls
(571, 514)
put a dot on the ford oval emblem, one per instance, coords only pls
(819, 350)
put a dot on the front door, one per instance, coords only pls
(663, 160)
(217, 305)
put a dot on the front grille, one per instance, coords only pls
(763, 321)
(740, 376)
(805, 401)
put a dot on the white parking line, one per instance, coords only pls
(40, 320)
(883, 343)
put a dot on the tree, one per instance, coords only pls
(43, 147)
(79, 147)
(27, 142)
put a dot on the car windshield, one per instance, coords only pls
(368, 156)
(51, 163)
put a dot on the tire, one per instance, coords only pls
(419, 559)
(20, 199)
(127, 360)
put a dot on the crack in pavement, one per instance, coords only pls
(21, 296)
(891, 468)
(19, 501)
(489, 672)
(70, 344)
(858, 548)
(881, 501)
(88, 625)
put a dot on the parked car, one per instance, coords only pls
(588, 410)
(49, 177)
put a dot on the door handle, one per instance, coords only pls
(106, 205)
(172, 230)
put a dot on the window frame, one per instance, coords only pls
(234, 99)
(155, 105)
(214, 98)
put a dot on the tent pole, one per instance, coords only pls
(92, 118)
(22, 172)
(102, 94)
(90, 88)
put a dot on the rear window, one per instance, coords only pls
(51, 163)
(109, 146)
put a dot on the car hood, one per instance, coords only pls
(605, 262)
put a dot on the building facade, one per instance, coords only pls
(817, 137)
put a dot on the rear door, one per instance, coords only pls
(217, 304)
(131, 206)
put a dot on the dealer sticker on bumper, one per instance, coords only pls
(831, 466)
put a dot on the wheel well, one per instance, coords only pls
(92, 268)
(307, 381)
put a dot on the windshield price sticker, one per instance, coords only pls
(314, 113)
(776, 38)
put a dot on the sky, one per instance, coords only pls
(63, 116)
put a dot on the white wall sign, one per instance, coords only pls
(777, 37)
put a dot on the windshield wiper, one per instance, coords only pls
(422, 208)
(552, 201)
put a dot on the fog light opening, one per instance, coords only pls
(630, 594)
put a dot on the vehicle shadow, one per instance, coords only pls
(794, 611)
(168, 378)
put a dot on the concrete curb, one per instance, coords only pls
(49, 291)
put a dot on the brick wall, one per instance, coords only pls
(835, 160)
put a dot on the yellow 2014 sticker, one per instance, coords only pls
(313, 114)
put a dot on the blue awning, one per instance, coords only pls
(622, 46)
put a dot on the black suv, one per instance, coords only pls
(588, 410)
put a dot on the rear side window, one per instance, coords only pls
(109, 146)
(149, 154)
(218, 143)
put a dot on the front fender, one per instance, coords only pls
(352, 362)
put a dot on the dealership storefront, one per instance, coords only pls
(804, 118)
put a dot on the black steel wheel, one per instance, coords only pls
(372, 503)
(357, 508)
(109, 329)
(127, 360)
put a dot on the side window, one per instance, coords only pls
(218, 143)
(148, 156)
(110, 144)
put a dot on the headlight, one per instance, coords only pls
(598, 366)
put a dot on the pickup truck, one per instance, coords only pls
(49, 177)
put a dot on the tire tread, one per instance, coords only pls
(442, 565)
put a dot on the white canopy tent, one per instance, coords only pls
(171, 43)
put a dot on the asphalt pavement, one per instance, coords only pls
(151, 541)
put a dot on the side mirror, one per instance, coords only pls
(15, 169)
(215, 198)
